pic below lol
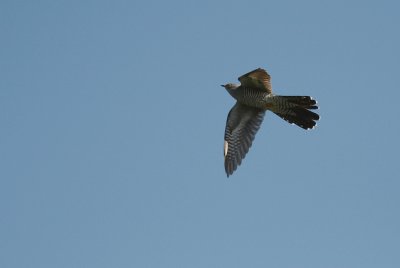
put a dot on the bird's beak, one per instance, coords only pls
(222, 85)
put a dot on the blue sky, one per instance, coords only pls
(112, 120)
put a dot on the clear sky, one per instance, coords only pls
(111, 135)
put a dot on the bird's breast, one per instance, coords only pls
(255, 98)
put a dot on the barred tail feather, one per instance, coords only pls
(296, 110)
(303, 101)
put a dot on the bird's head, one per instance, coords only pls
(230, 86)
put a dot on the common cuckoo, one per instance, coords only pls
(253, 97)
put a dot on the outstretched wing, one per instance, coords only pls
(257, 79)
(242, 125)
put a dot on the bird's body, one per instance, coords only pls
(254, 97)
(251, 97)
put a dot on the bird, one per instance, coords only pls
(254, 97)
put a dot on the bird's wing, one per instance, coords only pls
(258, 79)
(242, 125)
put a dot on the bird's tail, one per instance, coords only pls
(296, 110)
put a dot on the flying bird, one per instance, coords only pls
(253, 98)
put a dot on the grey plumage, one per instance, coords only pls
(242, 125)
(254, 96)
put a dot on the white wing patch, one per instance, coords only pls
(226, 145)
